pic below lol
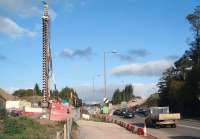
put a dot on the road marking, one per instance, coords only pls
(180, 125)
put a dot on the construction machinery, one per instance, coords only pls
(160, 116)
(46, 57)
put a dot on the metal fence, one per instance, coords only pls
(67, 129)
(66, 132)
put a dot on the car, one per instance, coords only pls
(117, 112)
(123, 111)
(15, 113)
(142, 111)
(129, 114)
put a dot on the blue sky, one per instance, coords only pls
(148, 34)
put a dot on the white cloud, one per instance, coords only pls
(52, 14)
(80, 53)
(25, 8)
(12, 29)
(145, 90)
(14, 4)
(30, 12)
(86, 93)
(152, 68)
(34, 11)
(69, 5)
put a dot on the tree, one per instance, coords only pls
(179, 86)
(69, 94)
(128, 92)
(117, 96)
(124, 95)
(37, 90)
(23, 92)
(152, 100)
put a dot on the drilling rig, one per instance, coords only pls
(46, 57)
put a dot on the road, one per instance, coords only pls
(100, 130)
(186, 129)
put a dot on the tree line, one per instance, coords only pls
(179, 85)
(66, 93)
(124, 95)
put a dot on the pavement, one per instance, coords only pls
(186, 129)
(101, 130)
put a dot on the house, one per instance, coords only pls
(4, 97)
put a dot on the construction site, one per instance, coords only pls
(89, 69)
(50, 108)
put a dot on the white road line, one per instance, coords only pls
(180, 125)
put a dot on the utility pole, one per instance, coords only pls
(104, 57)
(93, 82)
(93, 87)
(105, 87)
(33, 100)
(123, 90)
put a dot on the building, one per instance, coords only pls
(4, 97)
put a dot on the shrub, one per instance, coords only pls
(3, 114)
(13, 126)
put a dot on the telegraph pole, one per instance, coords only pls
(104, 57)
(105, 87)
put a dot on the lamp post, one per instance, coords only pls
(93, 87)
(123, 84)
(105, 82)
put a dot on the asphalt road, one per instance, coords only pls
(186, 129)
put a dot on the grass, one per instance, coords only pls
(26, 128)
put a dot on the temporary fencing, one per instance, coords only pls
(59, 112)
(66, 132)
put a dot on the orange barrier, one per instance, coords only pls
(140, 131)
(58, 111)
(108, 118)
(129, 127)
(30, 113)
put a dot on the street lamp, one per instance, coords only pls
(105, 86)
(123, 86)
(93, 78)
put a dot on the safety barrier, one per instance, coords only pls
(128, 126)
(86, 116)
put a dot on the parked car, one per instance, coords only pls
(123, 111)
(15, 113)
(117, 112)
(129, 114)
(144, 112)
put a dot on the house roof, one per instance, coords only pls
(5, 95)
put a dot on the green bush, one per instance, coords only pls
(13, 126)
(27, 128)
(3, 114)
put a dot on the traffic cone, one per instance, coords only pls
(145, 130)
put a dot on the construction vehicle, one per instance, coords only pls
(160, 116)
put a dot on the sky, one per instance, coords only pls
(148, 36)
